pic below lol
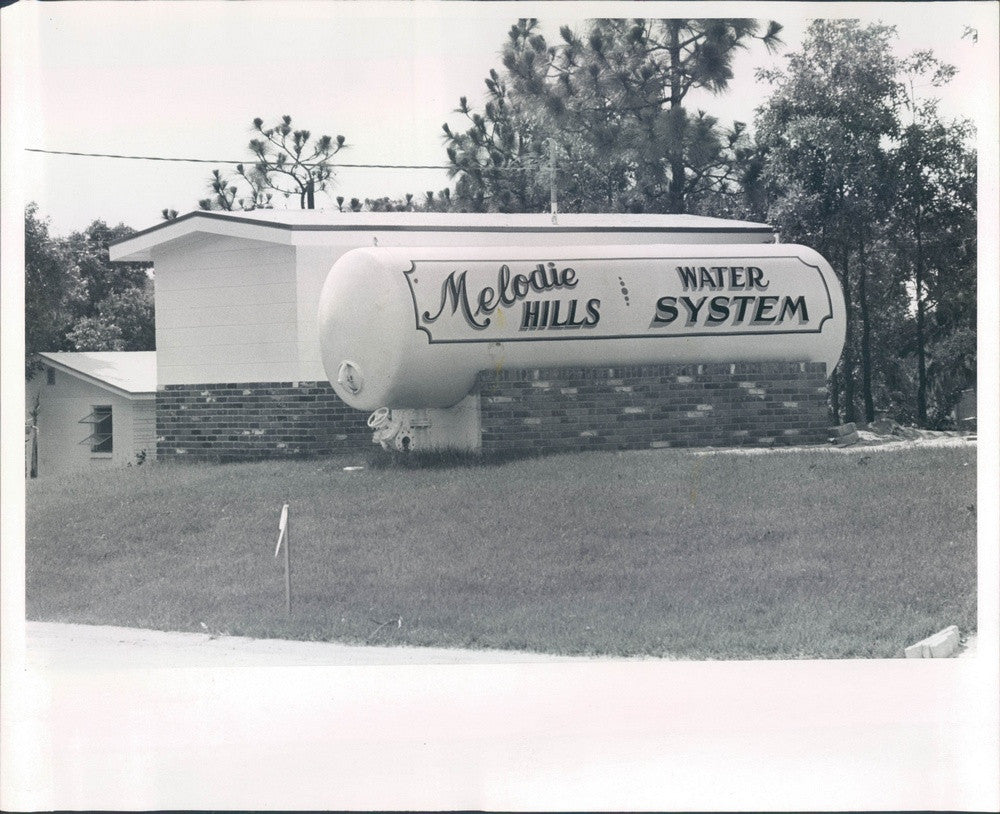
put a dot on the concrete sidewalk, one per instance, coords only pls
(70, 646)
(968, 648)
(62, 646)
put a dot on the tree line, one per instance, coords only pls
(76, 299)
(848, 154)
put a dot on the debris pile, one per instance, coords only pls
(886, 431)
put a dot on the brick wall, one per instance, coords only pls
(225, 422)
(743, 404)
(544, 410)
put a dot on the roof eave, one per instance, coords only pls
(137, 247)
(86, 377)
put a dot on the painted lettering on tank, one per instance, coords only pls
(576, 298)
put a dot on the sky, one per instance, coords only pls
(186, 79)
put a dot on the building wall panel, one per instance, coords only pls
(205, 298)
(205, 336)
(194, 317)
(313, 264)
(225, 306)
(248, 355)
(223, 372)
(61, 445)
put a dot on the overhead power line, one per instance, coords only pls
(228, 160)
(251, 161)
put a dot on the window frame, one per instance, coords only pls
(101, 438)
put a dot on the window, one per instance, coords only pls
(50, 375)
(100, 439)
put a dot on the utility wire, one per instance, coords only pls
(228, 161)
(250, 161)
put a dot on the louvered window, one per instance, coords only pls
(100, 438)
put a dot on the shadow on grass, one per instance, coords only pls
(443, 458)
(375, 458)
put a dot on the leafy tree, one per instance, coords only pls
(290, 163)
(386, 204)
(645, 70)
(124, 321)
(824, 129)
(613, 100)
(936, 230)
(497, 161)
(76, 299)
(241, 193)
(441, 203)
(432, 202)
(116, 311)
(891, 203)
(101, 277)
(52, 289)
(286, 162)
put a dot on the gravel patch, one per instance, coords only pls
(870, 442)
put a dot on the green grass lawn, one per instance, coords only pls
(805, 554)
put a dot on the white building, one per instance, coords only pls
(94, 410)
(237, 293)
(238, 358)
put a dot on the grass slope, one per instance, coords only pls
(663, 552)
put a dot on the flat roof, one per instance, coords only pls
(130, 373)
(278, 224)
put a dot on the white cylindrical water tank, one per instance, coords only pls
(412, 327)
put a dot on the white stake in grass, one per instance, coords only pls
(283, 535)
